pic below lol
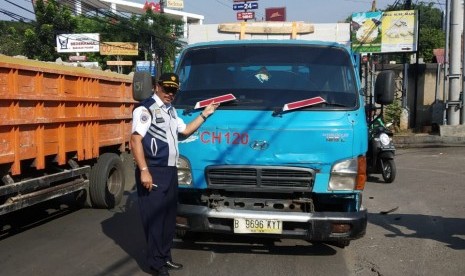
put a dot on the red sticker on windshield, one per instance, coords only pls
(303, 103)
(219, 99)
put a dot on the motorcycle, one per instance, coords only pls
(381, 149)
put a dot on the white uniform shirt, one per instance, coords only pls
(141, 123)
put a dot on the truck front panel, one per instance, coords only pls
(286, 151)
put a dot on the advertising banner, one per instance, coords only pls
(119, 62)
(365, 32)
(275, 14)
(384, 32)
(245, 15)
(119, 48)
(175, 4)
(399, 31)
(77, 43)
(147, 66)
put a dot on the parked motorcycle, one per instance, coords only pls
(381, 150)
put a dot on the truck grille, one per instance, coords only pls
(259, 176)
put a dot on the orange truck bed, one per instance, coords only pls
(50, 110)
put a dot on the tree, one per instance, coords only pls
(11, 35)
(52, 19)
(155, 33)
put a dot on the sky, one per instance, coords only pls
(313, 11)
(221, 11)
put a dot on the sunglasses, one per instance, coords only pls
(170, 90)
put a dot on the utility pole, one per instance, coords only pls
(373, 6)
(446, 58)
(454, 104)
(162, 6)
(405, 113)
(463, 73)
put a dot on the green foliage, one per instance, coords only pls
(429, 40)
(52, 19)
(155, 33)
(393, 112)
(11, 35)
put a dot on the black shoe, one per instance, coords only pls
(173, 265)
(162, 271)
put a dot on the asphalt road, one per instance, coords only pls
(416, 227)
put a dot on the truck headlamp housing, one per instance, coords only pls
(184, 172)
(349, 174)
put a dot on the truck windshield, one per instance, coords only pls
(267, 76)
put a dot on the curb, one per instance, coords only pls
(426, 140)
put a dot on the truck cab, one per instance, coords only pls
(284, 155)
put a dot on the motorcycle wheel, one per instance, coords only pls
(388, 170)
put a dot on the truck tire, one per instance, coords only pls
(107, 179)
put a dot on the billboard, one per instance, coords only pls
(275, 14)
(384, 32)
(77, 43)
(119, 62)
(119, 48)
(175, 4)
(147, 66)
(400, 31)
(245, 15)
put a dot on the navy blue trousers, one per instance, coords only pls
(158, 213)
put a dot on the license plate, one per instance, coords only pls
(257, 226)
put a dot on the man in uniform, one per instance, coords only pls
(154, 144)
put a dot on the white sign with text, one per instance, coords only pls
(78, 43)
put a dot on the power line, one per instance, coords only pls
(14, 16)
(19, 6)
(89, 7)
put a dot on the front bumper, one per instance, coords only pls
(316, 226)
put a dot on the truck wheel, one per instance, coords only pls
(107, 181)
(388, 170)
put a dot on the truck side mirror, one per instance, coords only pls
(385, 87)
(141, 86)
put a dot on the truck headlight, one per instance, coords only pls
(348, 174)
(184, 172)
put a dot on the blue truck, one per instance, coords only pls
(285, 153)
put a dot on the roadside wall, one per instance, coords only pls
(425, 94)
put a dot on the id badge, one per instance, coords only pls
(158, 116)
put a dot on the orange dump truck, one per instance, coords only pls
(63, 130)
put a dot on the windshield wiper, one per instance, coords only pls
(335, 104)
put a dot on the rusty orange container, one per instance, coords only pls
(50, 111)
